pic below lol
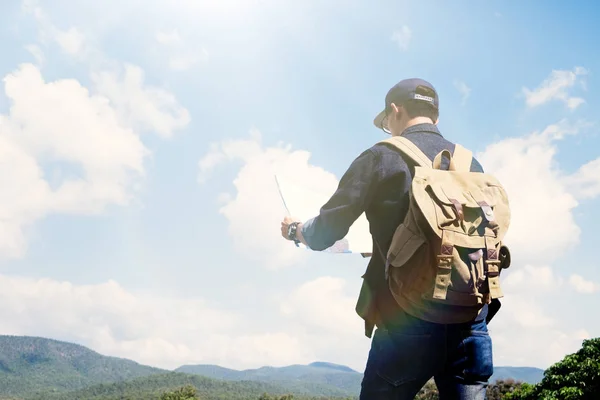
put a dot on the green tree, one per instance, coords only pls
(187, 392)
(428, 392)
(266, 396)
(576, 377)
(499, 389)
(495, 391)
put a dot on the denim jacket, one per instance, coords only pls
(376, 183)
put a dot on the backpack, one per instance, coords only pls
(449, 247)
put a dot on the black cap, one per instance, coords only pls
(407, 90)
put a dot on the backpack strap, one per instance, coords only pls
(410, 149)
(493, 263)
(462, 158)
(437, 161)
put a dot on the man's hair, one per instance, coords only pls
(417, 108)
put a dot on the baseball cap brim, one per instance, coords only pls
(380, 120)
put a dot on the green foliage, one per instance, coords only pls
(576, 377)
(495, 391)
(38, 368)
(501, 388)
(187, 392)
(155, 386)
(30, 365)
(428, 392)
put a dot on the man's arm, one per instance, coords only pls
(349, 201)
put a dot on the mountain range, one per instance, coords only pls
(40, 368)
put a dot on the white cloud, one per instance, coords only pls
(539, 346)
(525, 332)
(140, 106)
(519, 279)
(41, 135)
(463, 89)
(69, 149)
(556, 87)
(305, 305)
(182, 62)
(322, 311)
(256, 210)
(538, 193)
(37, 53)
(210, 160)
(168, 38)
(70, 41)
(114, 321)
(523, 286)
(183, 56)
(223, 198)
(581, 285)
(585, 183)
(402, 37)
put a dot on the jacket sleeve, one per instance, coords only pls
(349, 201)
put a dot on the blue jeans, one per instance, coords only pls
(404, 357)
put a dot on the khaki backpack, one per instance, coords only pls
(449, 247)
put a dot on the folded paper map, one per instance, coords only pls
(304, 203)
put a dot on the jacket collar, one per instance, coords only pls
(423, 128)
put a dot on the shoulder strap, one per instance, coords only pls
(410, 149)
(462, 158)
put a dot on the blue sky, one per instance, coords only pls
(145, 223)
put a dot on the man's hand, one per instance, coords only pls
(285, 224)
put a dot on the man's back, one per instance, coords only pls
(412, 343)
(388, 206)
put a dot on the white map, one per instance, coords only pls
(304, 203)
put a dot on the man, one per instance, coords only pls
(406, 350)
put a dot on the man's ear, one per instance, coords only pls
(436, 121)
(396, 110)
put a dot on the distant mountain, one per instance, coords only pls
(523, 374)
(39, 368)
(342, 368)
(29, 365)
(320, 376)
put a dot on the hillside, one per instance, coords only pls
(32, 364)
(151, 387)
(524, 374)
(39, 368)
(316, 378)
(299, 377)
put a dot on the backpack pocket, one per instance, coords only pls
(409, 258)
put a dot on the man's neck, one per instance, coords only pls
(416, 121)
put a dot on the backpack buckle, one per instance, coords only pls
(444, 256)
(444, 260)
(492, 274)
